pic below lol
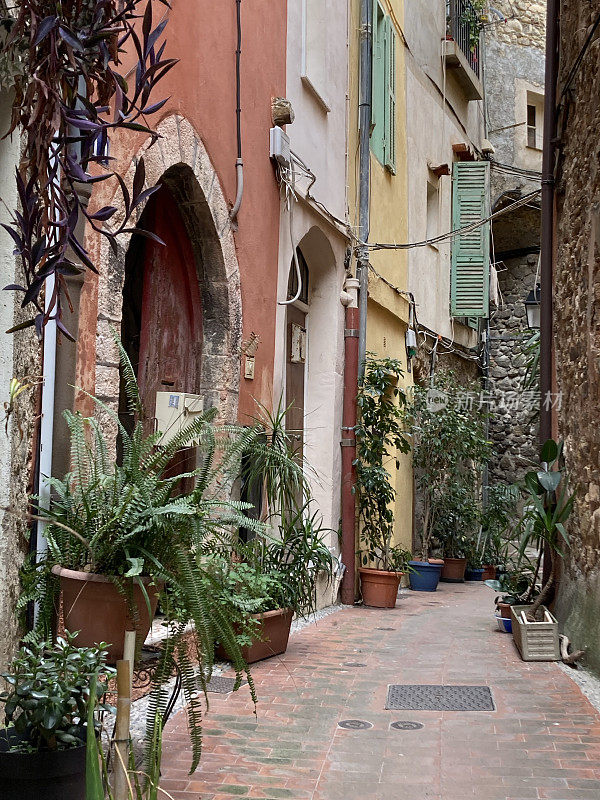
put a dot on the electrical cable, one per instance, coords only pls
(239, 164)
(457, 232)
(291, 198)
(577, 63)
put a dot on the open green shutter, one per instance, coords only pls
(390, 96)
(379, 82)
(470, 279)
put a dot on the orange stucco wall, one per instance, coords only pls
(203, 35)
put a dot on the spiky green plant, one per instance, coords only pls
(126, 521)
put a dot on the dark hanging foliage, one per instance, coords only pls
(72, 97)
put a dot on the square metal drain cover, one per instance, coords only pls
(439, 698)
(221, 685)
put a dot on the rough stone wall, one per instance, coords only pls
(512, 429)
(514, 63)
(577, 322)
(528, 26)
(19, 357)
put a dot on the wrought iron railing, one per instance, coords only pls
(464, 26)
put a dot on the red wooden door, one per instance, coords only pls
(171, 318)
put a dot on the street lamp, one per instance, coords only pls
(532, 307)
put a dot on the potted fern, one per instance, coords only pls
(272, 578)
(125, 527)
(380, 440)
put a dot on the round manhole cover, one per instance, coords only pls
(355, 724)
(353, 664)
(406, 725)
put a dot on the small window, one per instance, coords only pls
(531, 126)
(293, 279)
(535, 120)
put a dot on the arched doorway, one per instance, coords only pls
(161, 327)
(191, 193)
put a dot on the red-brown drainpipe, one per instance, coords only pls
(349, 442)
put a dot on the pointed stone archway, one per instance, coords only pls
(180, 162)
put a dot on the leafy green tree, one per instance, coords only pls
(380, 438)
(450, 448)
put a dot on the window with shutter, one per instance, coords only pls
(470, 279)
(390, 95)
(379, 84)
(383, 135)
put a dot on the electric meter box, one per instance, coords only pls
(279, 146)
(174, 411)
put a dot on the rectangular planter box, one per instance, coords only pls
(535, 641)
(272, 640)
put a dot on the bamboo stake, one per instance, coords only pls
(122, 729)
(129, 655)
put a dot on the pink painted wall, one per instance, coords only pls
(203, 35)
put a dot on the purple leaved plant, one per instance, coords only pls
(72, 98)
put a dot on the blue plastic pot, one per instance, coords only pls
(474, 574)
(425, 576)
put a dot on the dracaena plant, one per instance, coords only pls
(71, 97)
(548, 506)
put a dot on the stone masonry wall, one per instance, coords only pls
(528, 26)
(577, 322)
(513, 430)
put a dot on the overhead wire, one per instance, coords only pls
(458, 231)
(578, 61)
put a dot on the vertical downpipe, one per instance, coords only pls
(356, 313)
(364, 122)
(349, 442)
(547, 239)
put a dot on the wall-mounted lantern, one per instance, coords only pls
(532, 307)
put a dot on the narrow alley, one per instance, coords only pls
(542, 741)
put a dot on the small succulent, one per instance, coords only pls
(46, 702)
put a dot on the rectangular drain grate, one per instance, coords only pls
(439, 698)
(221, 685)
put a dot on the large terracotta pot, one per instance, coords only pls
(489, 572)
(379, 588)
(272, 636)
(453, 570)
(93, 605)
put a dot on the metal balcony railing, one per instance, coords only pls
(463, 25)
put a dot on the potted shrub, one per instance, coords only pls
(130, 524)
(457, 522)
(474, 570)
(499, 510)
(46, 708)
(380, 439)
(270, 580)
(547, 508)
(449, 447)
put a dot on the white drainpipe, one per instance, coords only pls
(47, 419)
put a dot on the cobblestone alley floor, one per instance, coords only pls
(543, 740)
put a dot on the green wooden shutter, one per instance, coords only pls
(470, 278)
(390, 96)
(379, 82)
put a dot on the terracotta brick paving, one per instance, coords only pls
(541, 743)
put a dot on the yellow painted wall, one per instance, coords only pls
(388, 311)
